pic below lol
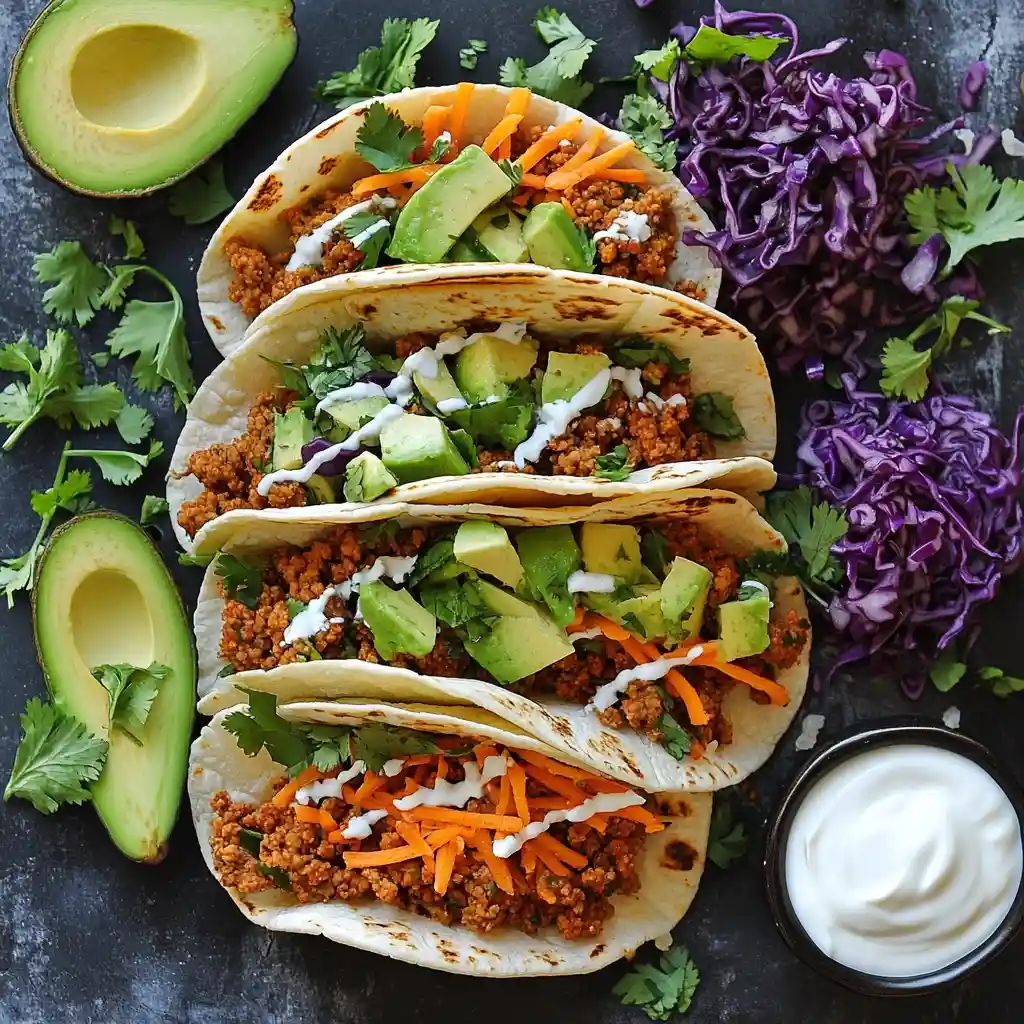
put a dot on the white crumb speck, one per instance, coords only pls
(809, 729)
(951, 717)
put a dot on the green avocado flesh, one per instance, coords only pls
(103, 596)
(114, 98)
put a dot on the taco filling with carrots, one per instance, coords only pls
(464, 832)
(351, 424)
(542, 194)
(649, 626)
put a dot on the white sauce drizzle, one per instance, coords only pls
(627, 227)
(608, 694)
(809, 729)
(309, 249)
(631, 381)
(353, 393)
(581, 582)
(310, 621)
(395, 567)
(364, 236)
(585, 634)
(361, 826)
(603, 803)
(393, 767)
(456, 794)
(324, 788)
(450, 405)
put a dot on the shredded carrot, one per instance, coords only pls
(503, 130)
(517, 780)
(412, 835)
(497, 866)
(682, 688)
(528, 858)
(440, 836)
(307, 815)
(348, 794)
(599, 823)
(522, 198)
(518, 878)
(548, 859)
(442, 768)
(566, 179)
(651, 822)
(697, 750)
(586, 151)
(457, 124)
(550, 803)
(567, 206)
(327, 822)
(483, 751)
(505, 150)
(335, 837)
(577, 619)
(548, 143)
(410, 175)
(371, 783)
(471, 819)
(434, 121)
(564, 787)
(286, 794)
(417, 759)
(519, 101)
(629, 175)
(445, 864)
(555, 767)
(533, 181)
(775, 691)
(504, 801)
(573, 858)
(378, 858)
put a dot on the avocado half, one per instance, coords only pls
(114, 99)
(103, 596)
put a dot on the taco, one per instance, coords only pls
(654, 644)
(439, 836)
(468, 173)
(525, 387)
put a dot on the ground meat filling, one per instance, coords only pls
(577, 903)
(231, 473)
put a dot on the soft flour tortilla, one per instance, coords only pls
(672, 864)
(326, 158)
(727, 520)
(395, 301)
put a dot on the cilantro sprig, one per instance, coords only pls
(558, 75)
(727, 840)
(470, 53)
(615, 465)
(241, 580)
(662, 991)
(385, 140)
(713, 412)
(384, 69)
(645, 120)
(341, 358)
(201, 197)
(131, 693)
(77, 282)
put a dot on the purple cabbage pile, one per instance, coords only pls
(930, 492)
(806, 174)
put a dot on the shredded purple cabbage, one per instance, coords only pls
(930, 491)
(972, 84)
(806, 173)
(337, 465)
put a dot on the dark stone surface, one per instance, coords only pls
(86, 936)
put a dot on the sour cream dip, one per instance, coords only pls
(902, 859)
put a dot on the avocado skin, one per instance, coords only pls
(33, 159)
(153, 853)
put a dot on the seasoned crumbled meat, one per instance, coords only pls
(231, 473)
(788, 637)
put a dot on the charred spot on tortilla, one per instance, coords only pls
(579, 310)
(269, 195)
(327, 129)
(218, 324)
(597, 950)
(305, 188)
(327, 165)
(680, 856)
(674, 805)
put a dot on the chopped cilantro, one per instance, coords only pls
(587, 247)
(660, 63)
(385, 140)
(712, 46)
(459, 605)
(242, 580)
(78, 283)
(645, 120)
(372, 245)
(638, 354)
(134, 424)
(375, 744)
(727, 840)
(57, 758)
(119, 468)
(131, 691)
(677, 741)
(152, 508)
(505, 423)
(656, 551)
(662, 991)
(615, 465)
(469, 54)
(278, 876)
(513, 171)
(557, 76)
(946, 672)
(373, 534)
(999, 683)
(340, 359)
(438, 555)
(201, 197)
(384, 69)
(250, 840)
(191, 561)
(813, 528)
(713, 412)
(135, 248)
(294, 607)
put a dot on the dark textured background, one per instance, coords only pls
(86, 936)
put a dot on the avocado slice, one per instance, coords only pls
(743, 623)
(320, 491)
(500, 232)
(550, 556)
(439, 388)
(683, 596)
(612, 549)
(468, 249)
(486, 367)
(398, 622)
(432, 220)
(367, 478)
(644, 611)
(567, 372)
(522, 640)
(420, 448)
(291, 432)
(110, 100)
(505, 423)
(554, 240)
(466, 446)
(103, 596)
(348, 417)
(485, 547)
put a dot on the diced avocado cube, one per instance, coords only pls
(486, 547)
(613, 549)
(501, 233)
(398, 622)
(367, 478)
(469, 249)
(505, 423)
(485, 368)
(553, 239)
(467, 446)
(522, 640)
(350, 416)
(439, 388)
(292, 430)
(432, 220)
(566, 373)
(683, 597)
(419, 448)
(743, 627)
(550, 555)
(644, 611)
(320, 490)
(608, 605)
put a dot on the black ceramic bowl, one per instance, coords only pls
(880, 735)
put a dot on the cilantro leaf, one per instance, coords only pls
(727, 840)
(119, 468)
(57, 757)
(557, 76)
(645, 120)
(513, 171)
(712, 46)
(438, 555)
(385, 140)
(370, 232)
(19, 356)
(135, 248)
(134, 424)
(1000, 684)
(713, 412)
(977, 211)
(662, 991)
(660, 63)
(384, 69)
(505, 423)
(154, 333)
(814, 528)
(201, 197)
(78, 283)
(340, 359)
(71, 494)
(587, 247)
(676, 740)
(190, 561)
(905, 370)
(638, 353)
(946, 672)
(152, 508)
(242, 580)
(469, 54)
(656, 551)
(460, 606)
(374, 744)
(131, 691)
(615, 465)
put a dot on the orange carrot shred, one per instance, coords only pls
(555, 767)
(682, 688)
(565, 854)
(586, 151)
(444, 865)
(504, 800)
(651, 822)
(371, 783)
(471, 819)
(409, 175)
(563, 787)
(286, 794)
(497, 866)
(503, 130)
(378, 858)
(776, 691)
(550, 803)
(442, 768)
(457, 123)
(517, 780)
(548, 859)
(440, 836)
(519, 101)
(566, 179)
(307, 815)
(528, 857)
(335, 837)
(412, 835)
(532, 181)
(327, 822)
(599, 823)
(606, 786)
(548, 143)
(434, 121)
(482, 751)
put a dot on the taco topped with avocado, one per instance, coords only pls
(467, 174)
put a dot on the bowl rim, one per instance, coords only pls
(903, 731)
